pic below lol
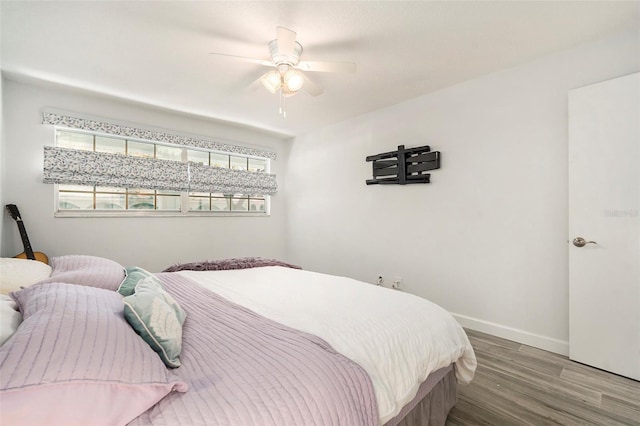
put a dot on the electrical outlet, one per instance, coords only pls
(396, 282)
(379, 280)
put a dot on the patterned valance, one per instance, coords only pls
(78, 167)
(71, 122)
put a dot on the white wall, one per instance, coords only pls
(151, 242)
(487, 239)
(3, 217)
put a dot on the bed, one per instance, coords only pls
(237, 342)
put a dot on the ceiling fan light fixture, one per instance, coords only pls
(293, 80)
(287, 93)
(272, 81)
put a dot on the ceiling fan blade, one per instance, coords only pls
(263, 62)
(344, 67)
(256, 84)
(312, 88)
(286, 40)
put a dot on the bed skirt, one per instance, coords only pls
(431, 406)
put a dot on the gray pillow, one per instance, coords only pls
(157, 318)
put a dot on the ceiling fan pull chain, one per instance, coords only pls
(282, 110)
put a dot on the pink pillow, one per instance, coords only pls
(86, 270)
(76, 361)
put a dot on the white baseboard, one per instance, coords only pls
(531, 339)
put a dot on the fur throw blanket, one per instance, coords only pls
(225, 264)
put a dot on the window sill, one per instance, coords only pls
(103, 214)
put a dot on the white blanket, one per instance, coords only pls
(10, 318)
(398, 338)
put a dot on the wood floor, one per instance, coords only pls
(520, 385)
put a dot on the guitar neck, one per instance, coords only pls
(25, 240)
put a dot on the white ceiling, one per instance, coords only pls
(157, 52)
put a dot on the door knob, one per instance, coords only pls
(581, 242)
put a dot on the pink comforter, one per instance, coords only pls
(244, 369)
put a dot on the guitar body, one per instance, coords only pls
(28, 251)
(39, 256)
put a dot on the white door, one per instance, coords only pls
(604, 203)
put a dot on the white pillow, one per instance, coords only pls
(16, 273)
(10, 319)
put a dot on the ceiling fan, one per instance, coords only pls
(287, 75)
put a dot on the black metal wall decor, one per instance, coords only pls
(404, 166)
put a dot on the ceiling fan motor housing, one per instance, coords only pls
(285, 58)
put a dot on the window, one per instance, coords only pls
(203, 201)
(96, 198)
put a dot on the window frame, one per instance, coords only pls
(184, 195)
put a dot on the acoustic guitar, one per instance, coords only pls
(28, 252)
